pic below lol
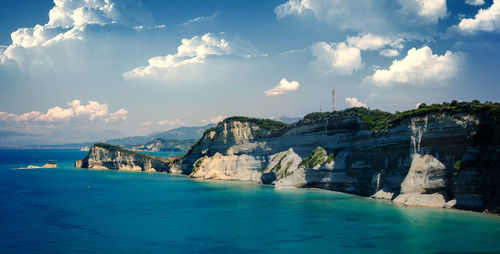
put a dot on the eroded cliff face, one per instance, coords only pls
(111, 157)
(437, 160)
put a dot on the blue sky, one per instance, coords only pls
(74, 70)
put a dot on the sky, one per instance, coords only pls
(85, 70)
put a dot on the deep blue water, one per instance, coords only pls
(69, 210)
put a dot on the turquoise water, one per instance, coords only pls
(68, 210)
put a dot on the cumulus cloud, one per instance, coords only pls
(93, 111)
(192, 51)
(355, 103)
(474, 2)
(201, 19)
(69, 13)
(486, 20)
(213, 119)
(283, 88)
(292, 7)
(368, 15)
(373, 42)
(336, 58)
(389, 52)
(387, 47)
(418, 67)
(62, 42)
(428, 11)
(175, 122)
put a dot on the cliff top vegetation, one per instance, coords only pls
(380, 120)
(267, 124)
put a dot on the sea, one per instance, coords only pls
(70, 210)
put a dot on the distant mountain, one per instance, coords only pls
(287, 119)
(181, 133)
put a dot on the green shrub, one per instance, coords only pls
(379, 120)
(316, 157)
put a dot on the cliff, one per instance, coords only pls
(444, 156)
(435, 156)
(104, 156)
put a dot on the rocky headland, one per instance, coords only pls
(435, 156)
(105, 156)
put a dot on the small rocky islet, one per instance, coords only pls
(441, 155)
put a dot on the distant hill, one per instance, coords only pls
(287, 119)
(164, 145)
(181, 133)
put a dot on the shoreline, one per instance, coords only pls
(305, 189)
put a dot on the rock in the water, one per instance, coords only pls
(104, 156)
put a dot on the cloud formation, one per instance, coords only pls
(474, 2)
(367, 15)
(191, 52)
(389, 53)
(355, 103)
(420, 66)
(486, 20)
(336, 58)
(283, 88)
(74, 13)
(175, 122)
(213, 119)
(373, 42)
(428, 11)
(69, 38)
(93, 111)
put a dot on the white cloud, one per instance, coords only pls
(69, 13)
(175, 122)
(201, 19)
(65, 42)
(373, 42)
(389, 52)
(474, 2)
(292, 7)
(368, 16)
(418, 67)
(355, 103)
(283, 87)
(191, 52)
(336, 58)
(428, 11)
(148, 123)
(93, 111)
(487, 20)
(213, 119)
(120, 115)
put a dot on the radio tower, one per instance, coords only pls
(333, 100)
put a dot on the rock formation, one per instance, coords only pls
(429, 158)
(433, 160)
(104, 156)
(47, 165)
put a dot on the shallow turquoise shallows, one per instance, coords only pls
(69, 210)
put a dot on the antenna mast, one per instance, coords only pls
(333, 100)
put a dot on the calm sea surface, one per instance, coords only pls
(69, 210)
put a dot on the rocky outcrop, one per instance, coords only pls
(104, 156)
(47, 165)
(432, 160)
